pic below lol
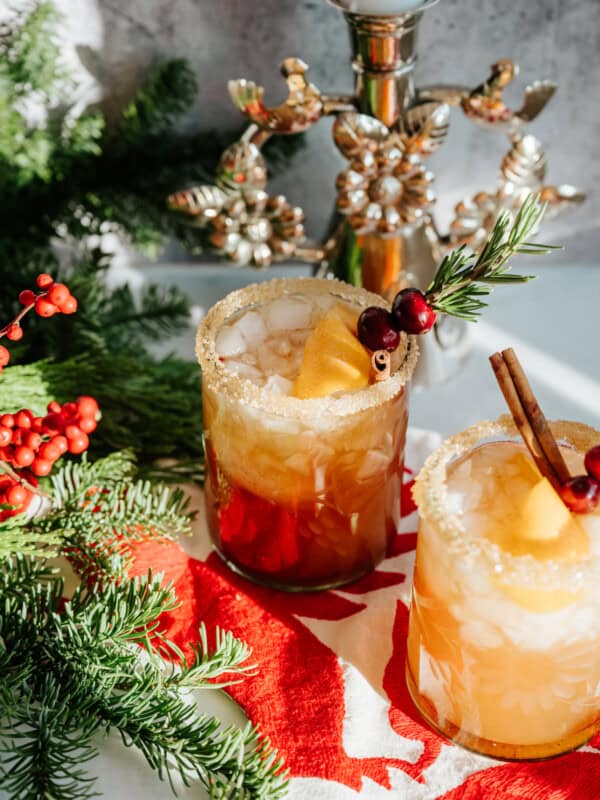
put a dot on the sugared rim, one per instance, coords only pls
(222, 380)
(431, 496)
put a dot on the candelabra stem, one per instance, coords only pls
(383, 59)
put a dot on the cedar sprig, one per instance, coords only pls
(464, 278)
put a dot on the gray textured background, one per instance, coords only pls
(459, 39)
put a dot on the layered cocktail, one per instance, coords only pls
(504, 635)
(304, 450)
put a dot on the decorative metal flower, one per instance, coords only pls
(522, 172)
(246, 224)
(474, 218)
(253, 228)
(386, 185)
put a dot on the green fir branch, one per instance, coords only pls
(463, 278)
(90, 675)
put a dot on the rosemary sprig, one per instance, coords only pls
(463, 278)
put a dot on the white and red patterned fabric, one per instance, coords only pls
(330, 692)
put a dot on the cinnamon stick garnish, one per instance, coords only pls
(529, 417)
(381, 365)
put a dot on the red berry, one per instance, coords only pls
(54, 407)
(376, 329)
(54, 423)
(58, 293)
(4, 356)
(412, 313)
(7, 420)
(18, 436)
(24, 456)
(73, 431)
(50, 451)
(78, 444)
(26, 297)
(14, 332)
(592, 462)
(88, 407)
(45, 308)
(61, 444)
(16, 495)
(581, 494)
(44, 281)
(88, 425)
(24, 418)
(70, 410)
(33, 440)
(69, 306)
(5, 436)
(41, 467)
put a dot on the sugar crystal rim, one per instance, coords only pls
(431, 496)
(220, 379)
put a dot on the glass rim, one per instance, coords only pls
(220, 379)
(430, 495)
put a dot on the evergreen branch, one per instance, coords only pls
(153, 405)
(46, 741)
(89, 675)
(169, 90)
(462, 278)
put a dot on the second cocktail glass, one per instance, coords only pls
(504, 634)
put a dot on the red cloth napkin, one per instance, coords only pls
(330, 693)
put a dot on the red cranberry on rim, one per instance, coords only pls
(592, 462)
(376, 329)
(411, 312)
(581, 494)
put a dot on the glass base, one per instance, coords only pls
(273, 583)
(502, 751)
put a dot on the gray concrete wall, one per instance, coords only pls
(459, 39)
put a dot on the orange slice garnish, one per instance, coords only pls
(333, 361)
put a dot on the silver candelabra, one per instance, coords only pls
(384, 237)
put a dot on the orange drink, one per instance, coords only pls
(504, 634)
(304, 453)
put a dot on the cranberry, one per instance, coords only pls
(592, 462)
(376, 329)
(581, 494)
(411, 312)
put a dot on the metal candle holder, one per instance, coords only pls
(384, 237)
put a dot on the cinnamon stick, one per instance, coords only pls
(528, 417)
(535, 415)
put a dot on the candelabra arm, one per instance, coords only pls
(337, 104)
(449, 94)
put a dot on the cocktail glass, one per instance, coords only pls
(504, 634)
(300, 493)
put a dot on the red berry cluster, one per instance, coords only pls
(33, 444)
(582, 493)
(53, 298)
(379, 329)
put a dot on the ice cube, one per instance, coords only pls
(278, 385)
(298, 338)
(372, 464)
(283, 347)
(270, 362)
(229, 342)
(455, 502)
(244, 370)
(253, 329)
(288, 313)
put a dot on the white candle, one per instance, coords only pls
(380, 6)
